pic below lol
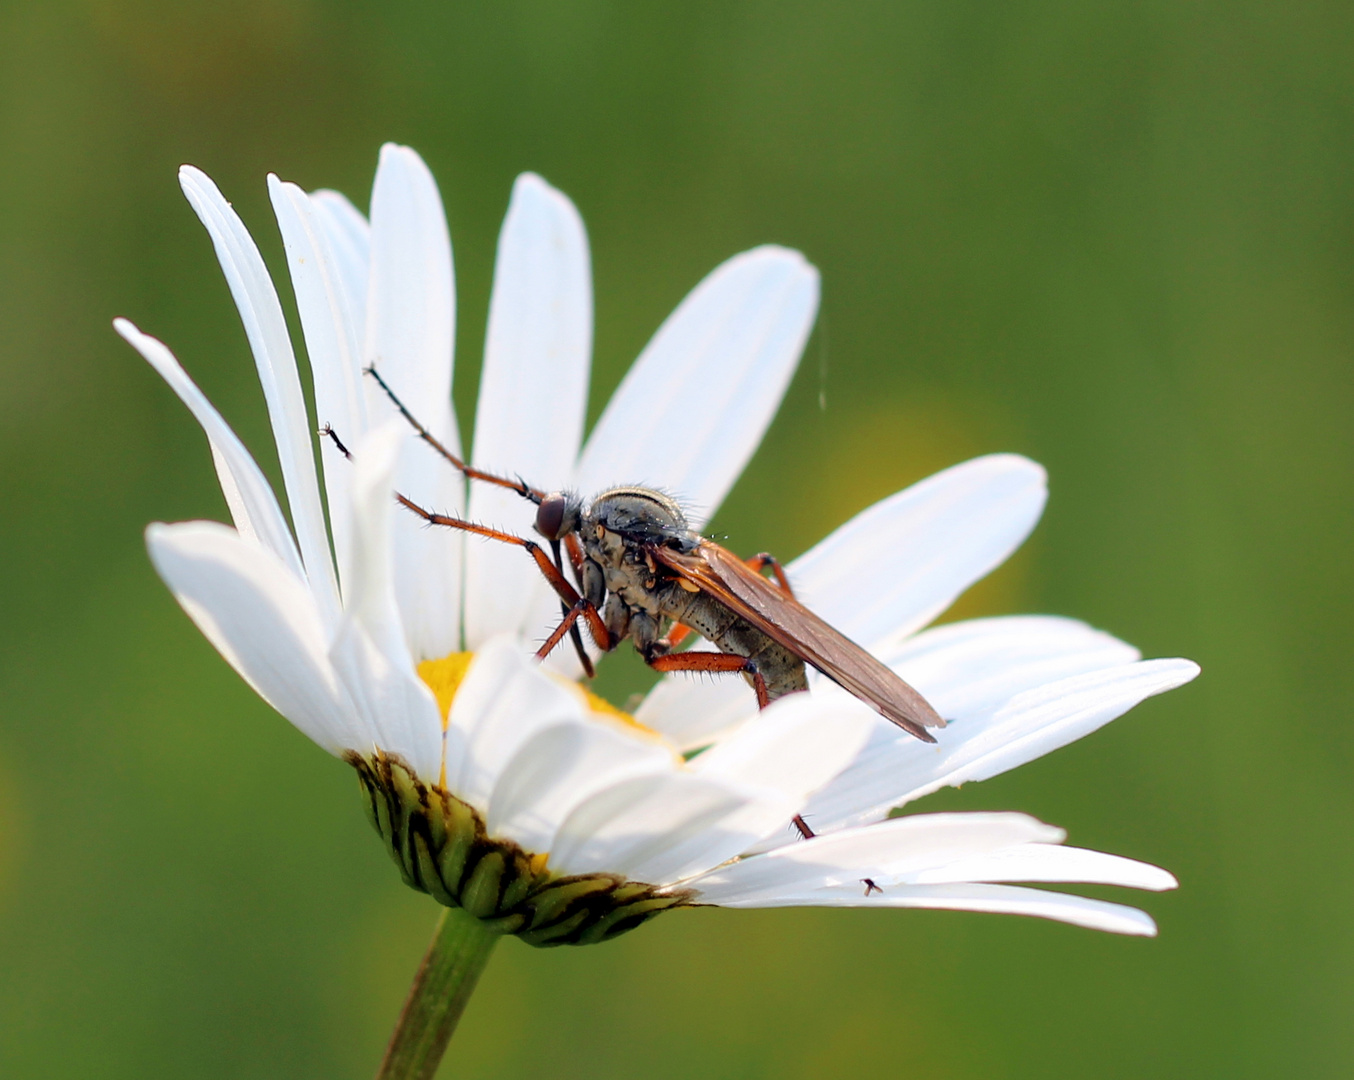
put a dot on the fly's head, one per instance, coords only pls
(558, 515)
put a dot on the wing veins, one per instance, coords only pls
(726, 578)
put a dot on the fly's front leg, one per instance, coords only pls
(531, 494)
(570, 622)
(566, 592)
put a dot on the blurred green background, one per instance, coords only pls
(1117, 237)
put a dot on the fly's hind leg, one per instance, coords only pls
(722, 662)
(714, 662)
(761, 561)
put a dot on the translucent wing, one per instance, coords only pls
(725, 577)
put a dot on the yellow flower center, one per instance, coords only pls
(444, 677)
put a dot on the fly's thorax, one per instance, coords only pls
(618, 529)
(637, 513)
(441, 846)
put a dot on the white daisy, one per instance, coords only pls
(500, 785)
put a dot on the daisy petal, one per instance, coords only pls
(893, 568)
(263, 620)
(266, 328)
(253, 506)
(331, 343)
(896, 771)
(693, 408)
(887, 850)
(692, 710)
(350, 243)
(968, 668)
(795, 745)
(992, 899)
(652, 828)
(790, 749)
(560, 767)
(533, 395)
(369, 651)
(1051, 863)
(504, 702)
(411, 317)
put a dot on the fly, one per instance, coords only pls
(641, 572)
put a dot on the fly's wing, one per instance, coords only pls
(725, 577)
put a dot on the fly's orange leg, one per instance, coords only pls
(569, 625)
(678, 634)
(705, 661)
(566, 592)
(519, 485)
(762, 561)
(713, 662)
(575, 552)
(574, 635)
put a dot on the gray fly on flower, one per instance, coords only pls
(502, 786)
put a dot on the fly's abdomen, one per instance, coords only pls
(781, 670)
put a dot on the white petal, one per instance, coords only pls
(331, 344)
(503, 703)
(969, 668)
(795, 746)
(557, 769)
(778, 759)
(411, 323)
(993, 899)
(1052, 863)
(890, 570)
(968, 671)
(694, 407)
(370, 652)
(693, 709)
(266, 328)
(263, 620)
(350, 244)
(885, 851)
(896, 771)
(661, 828)
(253, 505)
(533, 395)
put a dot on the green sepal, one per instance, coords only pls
(442, 848)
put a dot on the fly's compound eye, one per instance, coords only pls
(550, 516)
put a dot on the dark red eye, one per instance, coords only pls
(550, 516)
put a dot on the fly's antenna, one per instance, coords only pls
(531, 494)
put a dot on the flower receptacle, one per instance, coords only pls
(442, 848)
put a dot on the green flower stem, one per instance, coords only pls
(460, 949)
